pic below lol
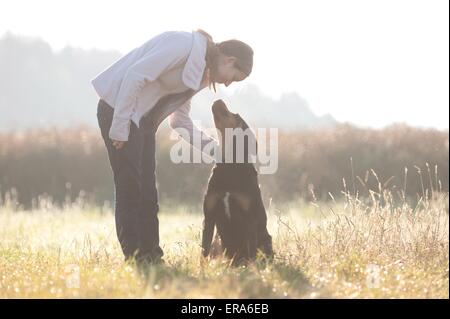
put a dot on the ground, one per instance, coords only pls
(351, 249)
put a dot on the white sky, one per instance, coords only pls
(370, 62)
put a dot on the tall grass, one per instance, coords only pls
(355, 248)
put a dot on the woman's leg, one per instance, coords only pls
(127, 171)
(149, 249)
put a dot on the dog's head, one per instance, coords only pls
(223, 120)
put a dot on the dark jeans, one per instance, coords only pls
(136, 196)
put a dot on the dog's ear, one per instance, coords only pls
(251, 140)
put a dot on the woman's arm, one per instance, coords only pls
(169, 51)
(181, 119)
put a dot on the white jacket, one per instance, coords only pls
(171, 62)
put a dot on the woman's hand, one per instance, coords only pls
(118, 144)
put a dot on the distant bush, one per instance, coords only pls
(64, 164)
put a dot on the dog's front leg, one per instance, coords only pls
(209, 204)
(264, 240)
(208, 231)
(208, 223)
(252, 239)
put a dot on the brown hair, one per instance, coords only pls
(235, 48)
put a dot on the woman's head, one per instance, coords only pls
(228, 61)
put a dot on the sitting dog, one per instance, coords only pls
(233, 202)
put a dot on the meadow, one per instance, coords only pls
(351, 248)
(354, 213)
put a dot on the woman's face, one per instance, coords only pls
(227, 73)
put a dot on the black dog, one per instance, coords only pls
(233, 200)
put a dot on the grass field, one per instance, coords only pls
(354, 249)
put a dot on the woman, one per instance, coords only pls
(136, 93)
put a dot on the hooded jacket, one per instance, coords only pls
(170, 63)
